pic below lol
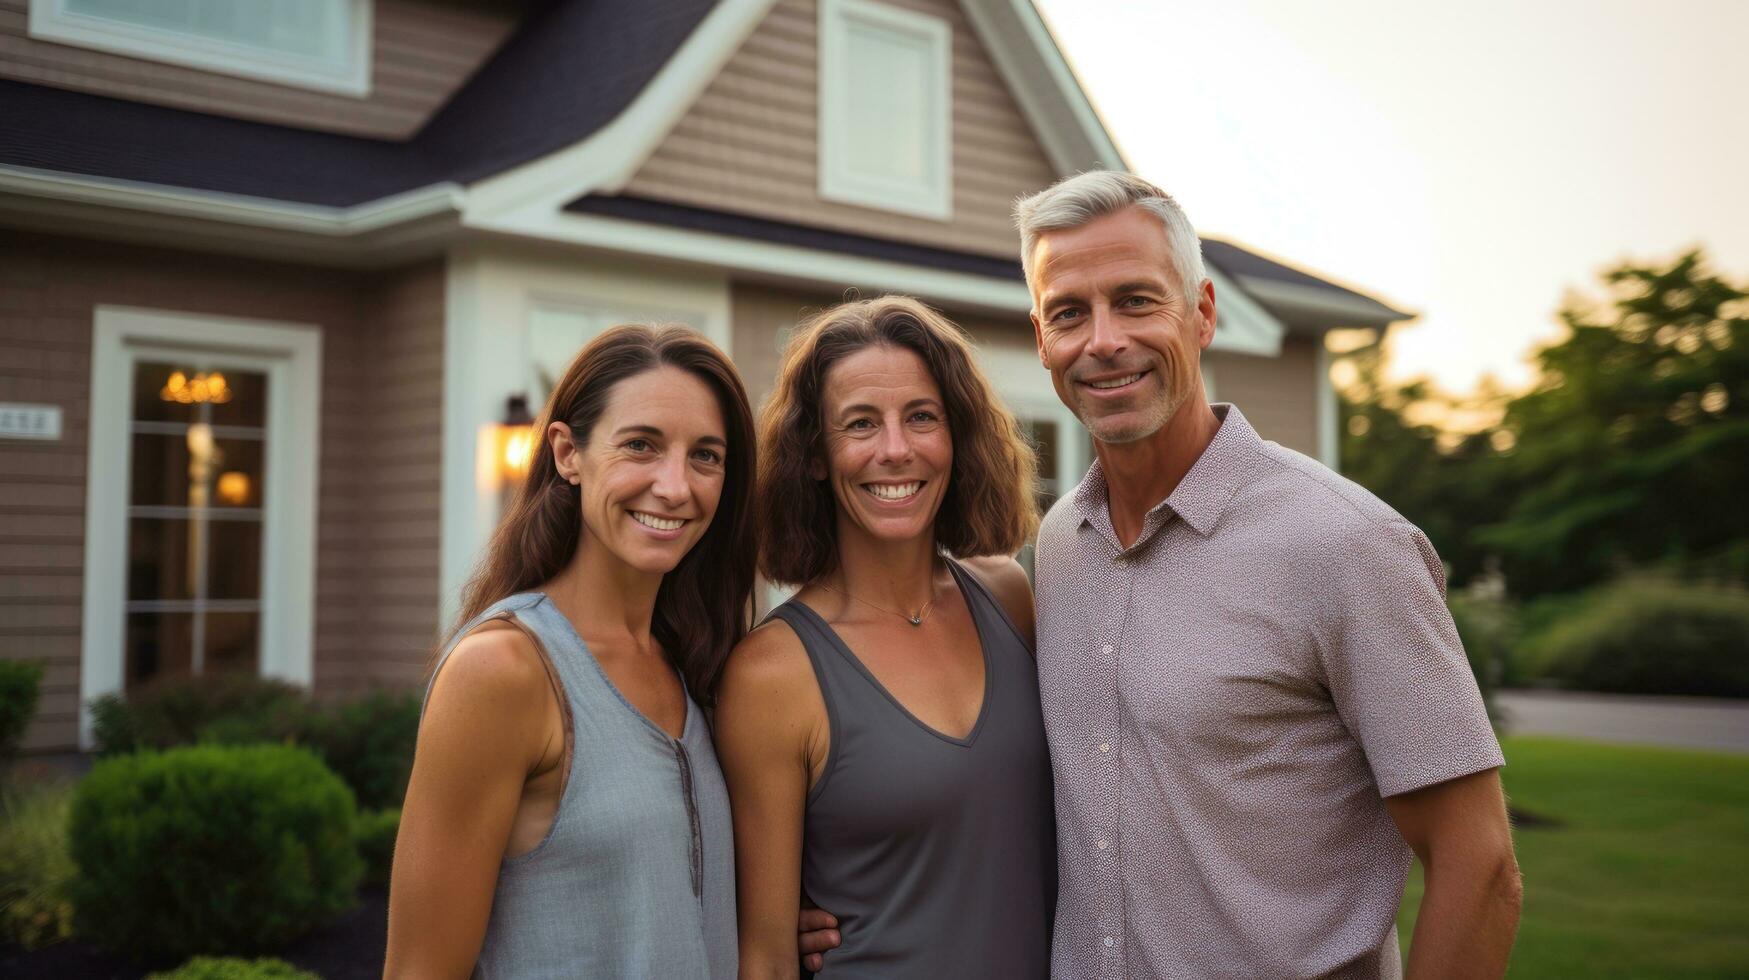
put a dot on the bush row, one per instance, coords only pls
(368, 740)
(1640, 635)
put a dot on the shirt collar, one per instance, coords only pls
(1201, 497)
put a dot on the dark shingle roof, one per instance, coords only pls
(1238, 262)
(569, 69)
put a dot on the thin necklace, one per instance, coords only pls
(915, 620)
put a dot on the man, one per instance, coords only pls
(1257, 705)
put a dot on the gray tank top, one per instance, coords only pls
(937, 854)
(636, 878)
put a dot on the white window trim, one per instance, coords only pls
(350, 74)
(293, 356)
(837, 182)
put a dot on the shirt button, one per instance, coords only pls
(1102, 845)
(1107, 648)
(1105, 746)
(1110, 942)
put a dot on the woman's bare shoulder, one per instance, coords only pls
(496, 667)
(1007, 581)
(771, 655)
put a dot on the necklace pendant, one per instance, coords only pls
(916, 620)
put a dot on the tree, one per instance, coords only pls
(1633, 448)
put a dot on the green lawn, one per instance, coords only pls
(1647, 875)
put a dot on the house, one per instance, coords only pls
(268, 290)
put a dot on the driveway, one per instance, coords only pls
(1696, 723)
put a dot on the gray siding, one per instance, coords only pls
(749, 144)
(1279, 395)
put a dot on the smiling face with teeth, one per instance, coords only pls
(888, 449)
(651, 471)
(1122, 340)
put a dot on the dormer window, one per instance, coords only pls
(886, 109)
(317, 44)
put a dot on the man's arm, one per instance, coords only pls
(1469, 911)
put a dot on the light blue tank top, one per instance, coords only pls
(636, 878)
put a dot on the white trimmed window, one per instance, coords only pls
(886, 108)
(201, 501)
(318, 44)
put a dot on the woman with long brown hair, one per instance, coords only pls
(566, 815)
(881, 733)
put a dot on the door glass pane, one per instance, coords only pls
(231, 642)
(160, 558)
(233, 560)
(191, 392)
(159, 645)
(195, 470)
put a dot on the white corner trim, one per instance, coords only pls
(260, 212)
(1241, 325)
(838, 81)
(346, 71)
(1329, 417)
(292, 355)
(1028, 59)
(607, 160)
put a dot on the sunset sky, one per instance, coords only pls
(1471, 162)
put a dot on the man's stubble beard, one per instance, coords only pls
(1154, 417)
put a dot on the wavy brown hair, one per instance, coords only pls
(702, 607)
(989, 507)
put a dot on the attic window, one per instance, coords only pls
(317, 44)
(886, 82)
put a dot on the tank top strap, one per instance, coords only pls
(511, 605)
(579, 677)
(830, 666)
(985, 606)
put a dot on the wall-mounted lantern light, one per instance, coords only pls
(516, 441)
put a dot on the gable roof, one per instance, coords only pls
(1297, 297)
(569, 69)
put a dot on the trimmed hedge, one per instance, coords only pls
(20, 686)
(233, 968)
(229, 708)
(367, 741)
(210, 849)
(1647, 636)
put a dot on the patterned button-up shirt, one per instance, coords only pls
(1228, 701)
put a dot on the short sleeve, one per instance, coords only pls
(1395, 667)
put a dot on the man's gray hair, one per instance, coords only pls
(1075, 201)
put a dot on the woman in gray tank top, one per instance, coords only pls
(881, 733)
(566, 816)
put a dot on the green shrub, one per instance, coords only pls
(36, 872)
(375, 833)
(229, 708)
(210, 849)
(232, 968)
(1647, 636)
(369, 742)
(1487, 624)
(20, 683)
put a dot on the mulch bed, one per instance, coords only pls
(349, 948)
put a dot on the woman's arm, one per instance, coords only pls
(489, 724)
(770, 732)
